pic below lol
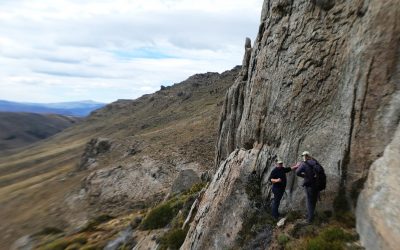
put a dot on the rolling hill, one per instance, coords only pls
(21, 129)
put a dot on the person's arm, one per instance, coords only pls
(300, 171)
(273, 178)
(294, 167)
(287, 170)
(276, 180)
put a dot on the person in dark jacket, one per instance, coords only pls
(306, 171)
(278, 179)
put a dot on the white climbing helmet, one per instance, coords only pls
(305, 153)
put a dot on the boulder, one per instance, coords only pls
(223, 207)
(118, 188)
(94, 148)
(184, 181)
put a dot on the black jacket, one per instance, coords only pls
(279, 172)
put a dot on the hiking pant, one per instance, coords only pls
(312, 197)
(278, 194)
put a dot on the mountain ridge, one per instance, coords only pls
(78, 108)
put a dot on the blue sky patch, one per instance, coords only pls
(150, 53)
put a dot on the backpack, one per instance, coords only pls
(319, 176)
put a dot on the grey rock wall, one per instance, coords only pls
(222, 208)
(319, 79)
(378, 207)
(322, 76)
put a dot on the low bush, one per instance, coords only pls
(321, 244)
(166, 212)
(64, 243)
(331, 238)
(283, 239)
(93, 223)
(335, 234)
(346, 218)
(173, 239)
(293, 215)
(195, 188)
(49, 230)
(75, 246)
(92, 247)
(59, 244)
(161, 215)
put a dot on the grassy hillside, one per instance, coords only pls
(175, 123)
(21, 129)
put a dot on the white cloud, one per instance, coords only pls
(104, 50)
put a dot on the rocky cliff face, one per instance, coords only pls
(223, 207)
(378, 206)
(322, 76)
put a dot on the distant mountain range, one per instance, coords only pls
(79, 108)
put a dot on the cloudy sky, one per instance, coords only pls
(103, 50)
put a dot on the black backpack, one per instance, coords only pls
(319, 176)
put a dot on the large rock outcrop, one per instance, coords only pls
(224, 204)
(323, 76)
(378, 206)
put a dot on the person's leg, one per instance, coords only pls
(278, 194)
(314, 201)
(310, 204)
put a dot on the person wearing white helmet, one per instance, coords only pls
(308, 169)
(278, 179)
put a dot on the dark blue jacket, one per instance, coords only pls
(306, 171)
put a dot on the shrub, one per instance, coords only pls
(335, 234)
(321, 244)
(75, 246)
(49, 230)
(92, 247)
(347, 219)
(93, 223)
(195, 188)
(161, 215)
(65, 243)
(59, 244)
(300, 231)
(166, 212)
(332, 238)
(292, 216)
(173, 239)
(283, 239)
